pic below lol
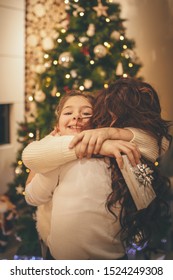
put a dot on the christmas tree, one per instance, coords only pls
(90, 51)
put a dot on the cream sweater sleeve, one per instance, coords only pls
(40, 189)
(147, 144)
(48, 153)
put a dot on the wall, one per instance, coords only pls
(150, 23)
(12, 36)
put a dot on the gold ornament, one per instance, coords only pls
(100, 9)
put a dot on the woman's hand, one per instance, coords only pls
(115, 148)
(91, 141)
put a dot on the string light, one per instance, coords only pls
(27, 170)
(59, 40)
(121, 37)
(107, 20)
(92, 62)
(107, 44)
(130, 64)
(19, 162)
(67, 76)
(81, 14)
(55, 62)
(31, 135)
(30, 98)
(58, 94)
(80, 45)
(81, 88)
(46, 56)
(66, 1)
(63, 30)
(124, 47)
(106, 86)
(125, 75)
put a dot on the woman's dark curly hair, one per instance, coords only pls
(132, 103)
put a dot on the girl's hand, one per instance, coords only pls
(115, 148)
(91, 141)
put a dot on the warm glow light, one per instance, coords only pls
(30, 134)
(124, 75)
(67, 76)
(58, 94)
(121, 37)
(63, 30)
(19, 162)
(46, 56)
(27, 170)
(130, 64)
(107, 20)
(55, 62)
(81, 88)
(81, 14)
(59, 40)
(105, 85)
(107, 44)
(80, 44)
(124, 47)
(30, 98)
(91, 62)
(66, 1)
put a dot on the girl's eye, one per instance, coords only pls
(87, 113)
(67, 113)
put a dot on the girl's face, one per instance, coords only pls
(75, 116)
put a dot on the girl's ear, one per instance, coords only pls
(55, 131)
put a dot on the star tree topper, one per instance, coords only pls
(100, 9)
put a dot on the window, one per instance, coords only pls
(4, 124)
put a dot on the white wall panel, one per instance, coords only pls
(12, 79)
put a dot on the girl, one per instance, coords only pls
(72, 219)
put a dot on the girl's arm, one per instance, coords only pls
(48, 153)
(92, 140)
(40, 188)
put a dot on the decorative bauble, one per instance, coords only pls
(54, 91)
(91, 30)
(32, 40)
(39, 68)
(119, 69)
(100, 51)
(73, 73)
(70, 38)
(88, 83)
(47, 43)
(39, 10)
(128, 53)
(65, 58)
(100, 9)
(19, 189)
(39, 96)
(64, 23)
(115, 35)
(83, 39)
(43, 33)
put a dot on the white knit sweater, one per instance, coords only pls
(52, 151)
(72, 218)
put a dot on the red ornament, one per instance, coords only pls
(85, 50)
